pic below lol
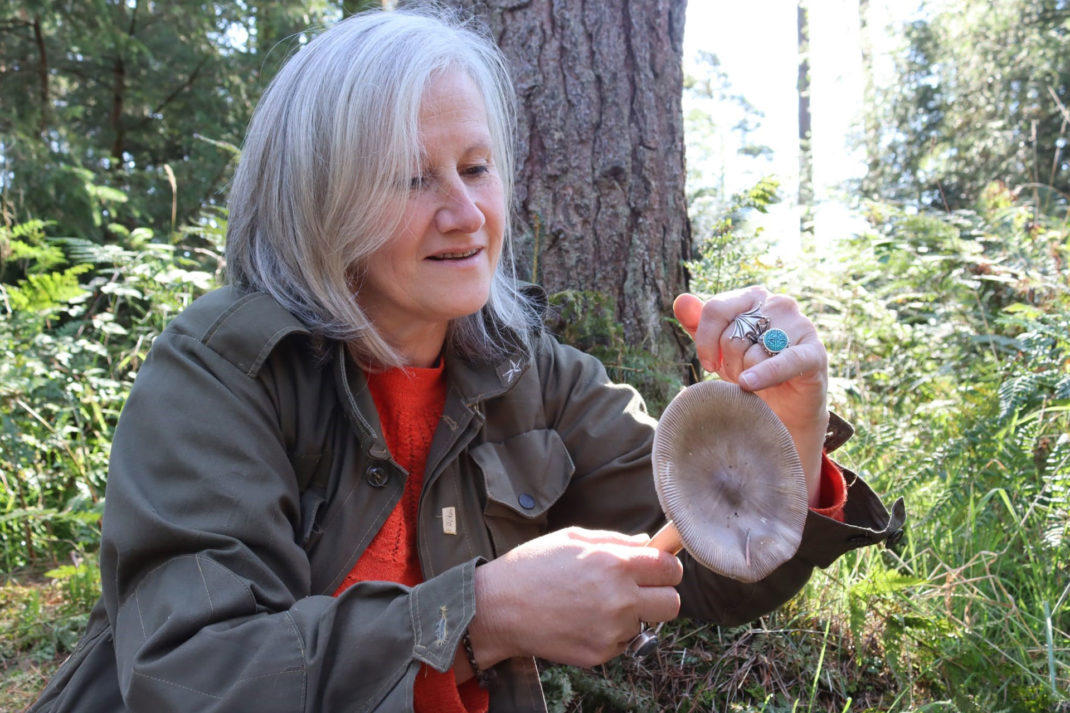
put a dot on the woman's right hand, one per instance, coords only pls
(573, 596)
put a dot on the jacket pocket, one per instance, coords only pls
(313, 471)
(524, 476)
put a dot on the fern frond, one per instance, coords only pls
(47, 292)
(1016, 392)
(81, 250)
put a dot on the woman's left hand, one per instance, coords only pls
(793, 383)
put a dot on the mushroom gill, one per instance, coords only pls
(728, 476)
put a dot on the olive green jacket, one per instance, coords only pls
(249, 473)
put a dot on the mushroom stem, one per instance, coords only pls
(667, 539)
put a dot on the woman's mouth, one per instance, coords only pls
(459, 255)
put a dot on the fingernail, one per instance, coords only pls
(747, 381)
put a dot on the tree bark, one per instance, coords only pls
(600, 201)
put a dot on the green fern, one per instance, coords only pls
(29, 229)
(1053, 455)
(47, 292)
(80, 250)
(36, 258)
(1016, 392)
(26, 244)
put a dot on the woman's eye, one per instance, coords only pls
(417, 183)
(478, 169)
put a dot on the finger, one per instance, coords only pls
(796, 362)
(654, 568)
(659, 604)
(688, 311)
(783, 314)
(736, 354)
(607, 537)
(727, 305)
(713, 343)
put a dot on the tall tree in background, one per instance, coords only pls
(806, 156)
(719, 123)
(870, 128)
(600, 194)
(981, 94)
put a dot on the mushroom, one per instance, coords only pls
(730, 481)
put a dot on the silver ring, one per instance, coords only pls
(642, 644)
(750, 325)
(774, 341)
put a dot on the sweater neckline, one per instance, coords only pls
(409, 387)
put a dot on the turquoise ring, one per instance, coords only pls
(774, 341)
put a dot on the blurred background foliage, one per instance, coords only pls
(947, 321)
(980, 95)
(110, 103)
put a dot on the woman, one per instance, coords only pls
(361, 477)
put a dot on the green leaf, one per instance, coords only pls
(107, 194)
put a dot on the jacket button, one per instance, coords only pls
(526, 501)
(376, 476)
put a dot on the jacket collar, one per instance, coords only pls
(468, 382)
(248, 326)
(478, 381)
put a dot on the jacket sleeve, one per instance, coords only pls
(607, 431)
(205, 588)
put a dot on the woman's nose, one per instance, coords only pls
(459, 211)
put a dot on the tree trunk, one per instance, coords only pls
(806, 157)
(118, 102)
(869, 91)
(600, 202)
(42, 77)
(118, 96)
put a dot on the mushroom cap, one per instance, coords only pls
(729, 477)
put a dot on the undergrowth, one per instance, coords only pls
(76, 320)
(42, 616)
(949, 342)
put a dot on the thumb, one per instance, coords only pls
(688, 311)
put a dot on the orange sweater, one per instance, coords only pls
(410, 402)
(832, 497)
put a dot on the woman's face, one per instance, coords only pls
(438, 264)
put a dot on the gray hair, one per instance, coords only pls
(315, 193)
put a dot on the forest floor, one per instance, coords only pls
(37, 630)
(787, 661)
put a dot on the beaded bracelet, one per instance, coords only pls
(483, 678)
